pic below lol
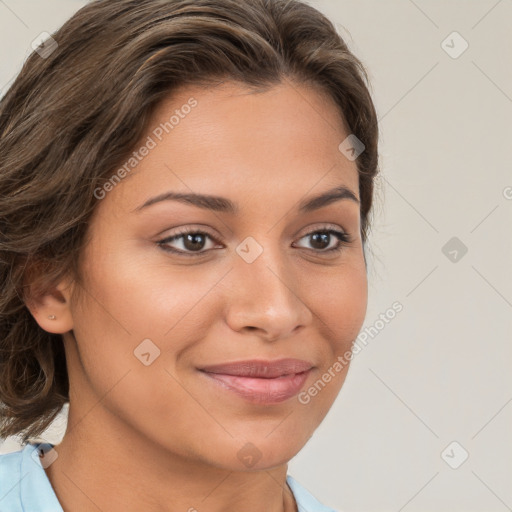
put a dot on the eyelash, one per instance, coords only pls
(343, 240)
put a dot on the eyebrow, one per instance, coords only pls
(224, 205)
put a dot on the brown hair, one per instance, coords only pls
(72, 115)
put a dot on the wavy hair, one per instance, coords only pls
(74, 114)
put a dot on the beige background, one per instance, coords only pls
(440, 370)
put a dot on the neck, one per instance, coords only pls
(104, 465)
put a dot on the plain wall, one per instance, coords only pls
(439, 371)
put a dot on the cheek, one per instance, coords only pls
(340, 303)
(341, 309)
(138, 293)
(131, 300)
(120, 309)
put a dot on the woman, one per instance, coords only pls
(186, 190)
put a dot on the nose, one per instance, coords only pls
(265, 298)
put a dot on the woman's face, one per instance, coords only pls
(256, 282)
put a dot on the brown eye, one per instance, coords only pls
(191, 242)
(327, 240)
(194, 241)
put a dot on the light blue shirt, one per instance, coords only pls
(25, 487)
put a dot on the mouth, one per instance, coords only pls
(261, 382)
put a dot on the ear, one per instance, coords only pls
(49, 304)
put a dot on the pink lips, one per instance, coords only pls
(263, 382)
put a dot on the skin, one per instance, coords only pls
(137, 433)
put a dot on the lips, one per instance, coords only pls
(263, 382)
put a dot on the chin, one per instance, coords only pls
(253, 453)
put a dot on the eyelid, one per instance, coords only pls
(192, 228)
(185, 231)
(313, 228)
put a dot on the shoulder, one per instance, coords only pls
(22, 479)
(10, 477)
(306, 502)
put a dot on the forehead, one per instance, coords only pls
(229, 140)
